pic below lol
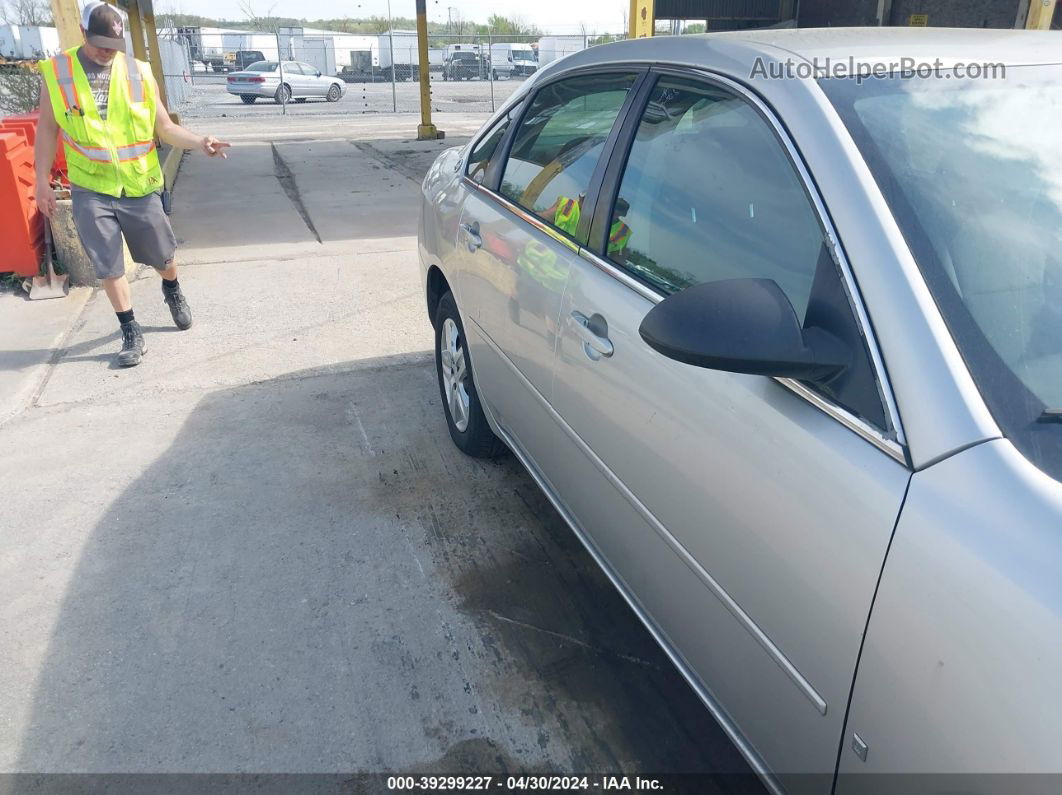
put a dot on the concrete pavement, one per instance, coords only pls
(260, 552)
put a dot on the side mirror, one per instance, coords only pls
(742, 326)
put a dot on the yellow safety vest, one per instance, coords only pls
(567, 215)
(116, 157)
(618, 236)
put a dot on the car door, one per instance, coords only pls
(316, 84)
(749, 516)
(520, 230)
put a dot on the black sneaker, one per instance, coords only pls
(182, 313)
(133, 345)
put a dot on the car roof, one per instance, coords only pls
(738, 51)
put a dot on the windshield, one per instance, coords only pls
(263, 66)
(464, 56)
(971, 171)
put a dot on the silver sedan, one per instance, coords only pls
(775, 321)
(283, 82)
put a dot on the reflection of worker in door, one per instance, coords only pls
(619, 234)
(565, 213)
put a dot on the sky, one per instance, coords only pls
(553, 16)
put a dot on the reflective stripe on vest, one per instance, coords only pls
(621, 233)
(102, 154)
(567, 217)
(64, 75)
(136, 82)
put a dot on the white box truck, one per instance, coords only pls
(28, 42)
(552, 48)
(403, 60)
(512, 60)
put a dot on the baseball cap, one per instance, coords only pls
(103, 26)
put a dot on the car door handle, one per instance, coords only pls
(471, 231)
(602, 346)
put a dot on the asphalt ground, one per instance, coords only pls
(258, 552)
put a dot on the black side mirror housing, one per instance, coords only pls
(742, 326)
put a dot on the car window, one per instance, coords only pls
(308, 70)
(483, 152)
(559, 143)
(708, 193)
(263, 66)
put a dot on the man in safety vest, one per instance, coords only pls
(106, 108)
(619, 234)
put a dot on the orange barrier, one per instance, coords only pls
(21, 226)
(28, 123)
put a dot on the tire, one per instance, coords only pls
(248, 99)
(470, 431)
(283, 94)
(494, 74)
(334, 93)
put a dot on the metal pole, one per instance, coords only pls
(426, 131)
(391, 44)
(280, 69)
(490, 69)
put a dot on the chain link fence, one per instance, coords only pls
(307, 71)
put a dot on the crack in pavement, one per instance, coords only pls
(286, 179)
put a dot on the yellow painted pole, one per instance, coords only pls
(642, 19)
(67, 18)
(147, 19)
(426, 131)
(136, 30)
(1041, 12)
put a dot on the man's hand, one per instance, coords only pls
(45, 197)
(213, 147)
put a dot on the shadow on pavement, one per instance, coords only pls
(312, 579)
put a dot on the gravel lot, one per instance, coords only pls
(209, 99)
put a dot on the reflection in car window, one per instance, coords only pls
(559, 143)
(709, 194)
(480, 159)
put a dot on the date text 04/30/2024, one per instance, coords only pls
(519, 783)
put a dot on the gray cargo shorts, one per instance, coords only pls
(102, 220)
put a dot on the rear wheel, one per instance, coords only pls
(465, 420)
(248, 99)
(334, 93)
(283, 94)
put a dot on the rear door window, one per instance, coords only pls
(558, 145)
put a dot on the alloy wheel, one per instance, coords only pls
(455, 374)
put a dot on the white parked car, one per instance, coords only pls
(282, 82)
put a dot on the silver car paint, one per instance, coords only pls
(960, 670)
(943, 415)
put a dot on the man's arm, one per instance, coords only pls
(178, 137)
(44, 154)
